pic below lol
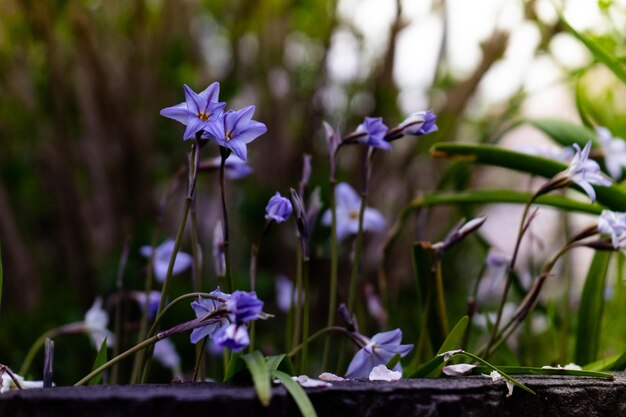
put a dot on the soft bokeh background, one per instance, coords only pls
(85, 157)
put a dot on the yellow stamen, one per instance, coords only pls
(203, 116)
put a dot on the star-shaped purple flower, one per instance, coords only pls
(585, 172)
(378, 351)
(235, 129)
(419, 123)
(372, 133)
(198, 110)
(202, 307)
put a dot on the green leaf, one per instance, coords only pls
(613, 197)
(428, 367)
(234, 365)
(591, 308)
(260, 372)
(565, 133)
(581, 105)
(533, 370)
(101, 359)
(619, 364)
(498, 369)
(598, 52)
(298, 394)
(274, 361)
(393, 361)
(453, 341)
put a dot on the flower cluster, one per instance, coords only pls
(613, 224)
(205, 118)
(226, 317)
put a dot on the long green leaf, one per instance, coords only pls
(581, 105)
(453, 341)
(499, 370)
(273, 362)
(234, 365)
(613, 197)
(298, 394)
(532, 370)
(565, 133)
(619, 364)
(101, 359)
(599, 53)
(260, 372)
(591, 309)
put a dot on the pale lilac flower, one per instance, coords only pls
(348, 204)
(235, 129)
(234, 167)
(219, 258)
(96, 321)
(563, 154)
(243, 306)
(285, 293)
(375, 306)
(377, 351)
(204, 306)
(614, 152)
(234, 336)
(154, 298)
(161, 259)
(197, 111)
(278, 209)
(165, 353)
(585, 172)
(7, 384)
(419, 123)
(614, 224)
(372, 133)
(382, 373)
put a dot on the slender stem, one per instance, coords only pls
(441, 303)
(358, 245)
(509, 278)
(297, 322)
(317, 334)
(198, 370)
(334, 266)
(305, 319)
(224, 152)
(71, 328)
(119, 285)
(13, 377)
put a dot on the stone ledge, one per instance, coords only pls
(466, 396)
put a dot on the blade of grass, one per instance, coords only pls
(591, 309)
(565, 133)
(260, 371)
(453, 341)
(273, 362)
(101, 359)
(299, 396)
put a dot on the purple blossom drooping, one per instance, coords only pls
(377, 351)
(204, 306)
(198, 110)
(161, 259)
(234, 130)
(419, 123)
(278, 209)
(372, 133)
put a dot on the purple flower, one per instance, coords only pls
(244, 306)
(198, 110)
(234, 336)
(153, 301)
(235, 168)
(235, 129)
(278, 208)
(202, 307)
(161, 259)
(372, 133)
(419, 123)
(219, 258)
(377, 351)
(165, 353)
(614, 152)
(348, 205)
(614, 224)
(585, 172)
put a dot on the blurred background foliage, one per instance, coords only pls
(85, 157)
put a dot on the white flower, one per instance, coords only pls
(585, 172)
(348, 205)
(614, 152)
(614, 224)
(381, 373)
(161, 259)
(165, 353)
(96, 321)
(7, 384)
(458, 370)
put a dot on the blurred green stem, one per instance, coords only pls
(334, 265)
(225, 153)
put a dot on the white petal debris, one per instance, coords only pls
(447, 355)
(329, 377)
(495, 376)
(458, 370)
(381, 373)
(307, 382)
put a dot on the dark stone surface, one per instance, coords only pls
(467, 396)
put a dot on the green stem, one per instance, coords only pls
(317, 334)
(118, 309)
(305, 320)
(441, 303)
(224, 152)
(334, 266)
(297, 322)
(71, 328)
